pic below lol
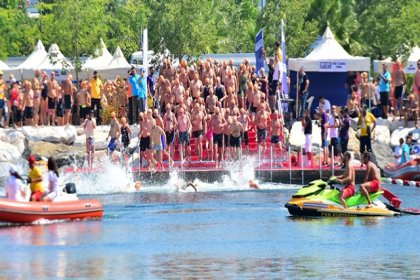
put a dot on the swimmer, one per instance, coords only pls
(137, 185)
(189, 184)
(184, 186)
(253, 185)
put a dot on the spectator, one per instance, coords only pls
(303, 90)
(307, 130)
(96, 86)
(384, 88)
(405, 151)
(365, 122)
(325, 104)
(399, 83)
(135, 89)
(411, 112)
(333, 125)
(344, 132)
(142, 93)
(350, 82)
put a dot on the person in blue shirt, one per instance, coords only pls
(142, 95)
(384, 89)
(134, 82)
(405, 153)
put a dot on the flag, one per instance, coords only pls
(145, 49)
(284, 87)
(259, 51)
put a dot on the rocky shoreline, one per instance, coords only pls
(67, 143)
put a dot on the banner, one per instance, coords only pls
(145, 49)
(333, 66)
(284, 85)
(259, 51)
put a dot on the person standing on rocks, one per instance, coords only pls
(53, 87)
(366, 120)
(89, 127)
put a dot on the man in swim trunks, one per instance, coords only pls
(37, 88)
(236, 130)
(89, 127)
(158, 138)
(217, 124)
(28, 103)
(114, 133)
(372, 178)
(68, 88)
(53, 87)
(348, 178)
(198, 127)
(184, 128)
(146, 126)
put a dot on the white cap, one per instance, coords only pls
(192, 68)
(12, 168)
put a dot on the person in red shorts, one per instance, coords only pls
(372, 178)
(347, 178)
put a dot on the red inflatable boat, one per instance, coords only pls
(407, 171)
(27, 212)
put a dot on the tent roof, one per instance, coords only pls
(4, 66)
(101, 60)
(327, 51)
(118, 60)
(55, 60)
(35, 58)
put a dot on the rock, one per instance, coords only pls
(383, 122)
(381, 140)
(14, 137)
(64, 154)
(9, 153)
(354, 144)
(396, 125)
(297, 138)
(53, 134)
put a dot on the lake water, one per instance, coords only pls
(224, 231)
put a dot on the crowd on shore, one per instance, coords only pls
(216, 104)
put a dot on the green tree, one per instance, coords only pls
(300, 32)
(340, 16)
(76, 25)
(184, 27)
(236, 25)
(127, 19)
(388, 28)
(17, 32)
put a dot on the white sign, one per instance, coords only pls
(333, 66)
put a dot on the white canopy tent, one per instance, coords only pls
(329, 56)
(117, 66)
(100, 60)
(4, 66)
(328, 64)
(26, 69)
(412, 60)
(57, 62)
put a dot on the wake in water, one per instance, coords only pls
(118, 179)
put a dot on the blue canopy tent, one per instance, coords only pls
(327, 67)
